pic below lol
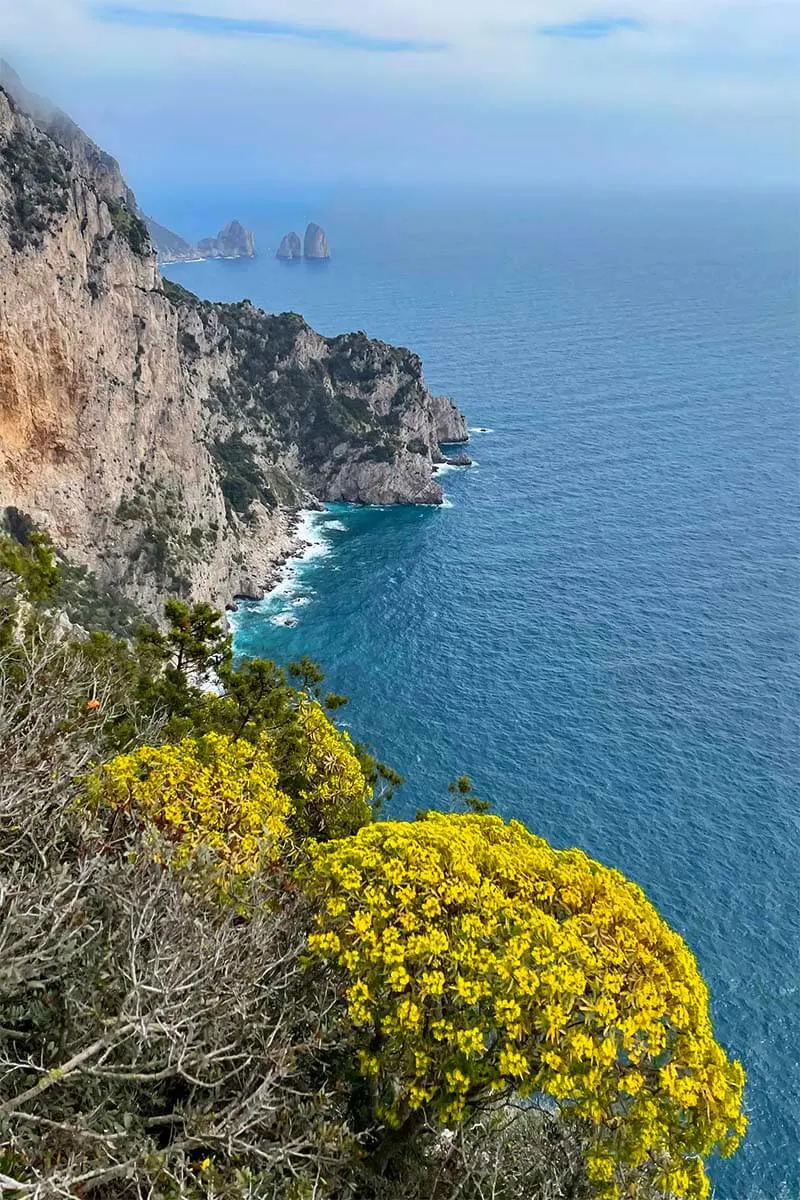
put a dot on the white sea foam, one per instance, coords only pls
(339, 526)
(447, 503)
(284, 589)
(445, 468)
(310, 532)
(283, 618)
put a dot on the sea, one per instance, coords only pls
(600, 625)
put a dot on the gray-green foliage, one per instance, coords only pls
(242, 480)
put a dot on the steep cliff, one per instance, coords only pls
(166, 442)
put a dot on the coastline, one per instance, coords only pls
(174, 262)
(301, 546)
(300, 543)
(300, 540)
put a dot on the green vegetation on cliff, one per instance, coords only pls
(129, 226)
(317, 401)
(221, 975)
(37, 174)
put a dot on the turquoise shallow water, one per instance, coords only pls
(602, 625)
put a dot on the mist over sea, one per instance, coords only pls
(601, 625)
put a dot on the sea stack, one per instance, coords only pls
(316, 243)
(234, 241)
(290, 247)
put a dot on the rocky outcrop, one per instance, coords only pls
(165, 442)
(346, 418)
(315, 244)
(449, 421)
(290, 247)
(234, 241)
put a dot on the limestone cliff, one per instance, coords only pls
(167, 443)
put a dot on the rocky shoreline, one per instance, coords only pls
(292, 546)
(283, 550)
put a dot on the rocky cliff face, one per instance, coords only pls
(315, 244)
(290, 247)
(346, 418)
(168, 443)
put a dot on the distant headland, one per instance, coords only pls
(234, 241)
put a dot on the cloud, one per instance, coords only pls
(226, 27)
(590, 27)
(334, 88)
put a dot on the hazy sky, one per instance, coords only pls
(186, 92)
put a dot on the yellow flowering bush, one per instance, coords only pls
(209, 793)
(330, 794)
(480, 960)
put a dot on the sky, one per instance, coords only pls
(196, 93)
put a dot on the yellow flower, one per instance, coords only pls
(512, 1062)
(209, 796)
(509, 965)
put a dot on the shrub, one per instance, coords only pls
(326, 779)
(203, 795)
(153, 1042)
(482, 961)
(241, 479)
(177, 294)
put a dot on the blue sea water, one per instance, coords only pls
(601, 626)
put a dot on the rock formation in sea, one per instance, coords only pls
(234, 241)
(290, 247)
(315, 244)
(165, 442)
